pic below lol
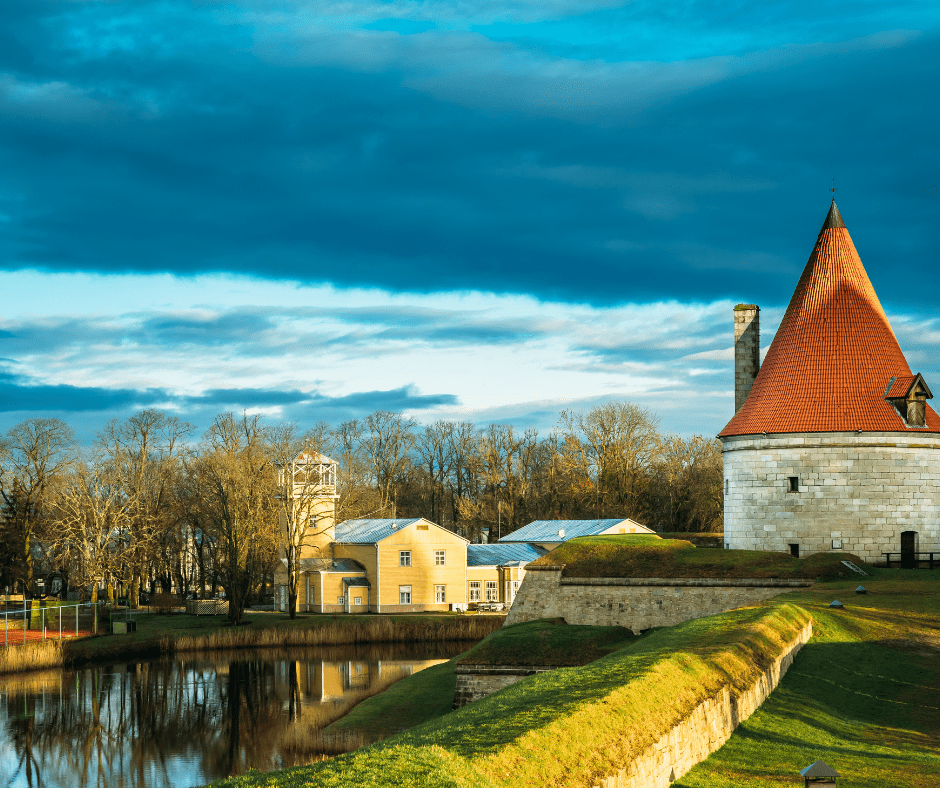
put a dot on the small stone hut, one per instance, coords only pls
(833, 445)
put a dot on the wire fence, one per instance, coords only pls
(34, 621)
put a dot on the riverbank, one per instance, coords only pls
(861, 696)
(159, 635)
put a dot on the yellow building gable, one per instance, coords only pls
(413, 565)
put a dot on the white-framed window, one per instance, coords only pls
(404, 595)
(358, 600)
(438, 558)
(515, 586)
(474, 595)
(492, 591)
(439, 593)
(404, 557)
(341, 600)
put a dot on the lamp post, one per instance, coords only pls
(819, 775)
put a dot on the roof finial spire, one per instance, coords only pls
(833, 189)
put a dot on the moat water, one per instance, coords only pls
(181, 722)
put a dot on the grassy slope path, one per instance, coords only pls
(863, 695)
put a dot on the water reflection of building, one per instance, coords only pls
(323, 680)
(168, 723)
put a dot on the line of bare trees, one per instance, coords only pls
(150, 506)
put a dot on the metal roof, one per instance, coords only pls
(370, 531)
(547, 530)
(374, 531)
(501, 554)
(356, 582)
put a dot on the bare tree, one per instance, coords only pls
(687, 479)
(611, 447)
(387, 441)
(36, 454)
(432, 445)
(91, 519)
(463, 482)
(239, 490)
(358, 497)
(145, 451)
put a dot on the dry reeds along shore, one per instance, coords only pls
(57, 654)
(42, 655)
(381, 630)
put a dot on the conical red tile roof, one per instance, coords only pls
(832, 360)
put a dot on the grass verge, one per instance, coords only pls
(605, 556)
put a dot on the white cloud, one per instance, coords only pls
(499, 355)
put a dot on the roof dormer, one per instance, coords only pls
(909, 394)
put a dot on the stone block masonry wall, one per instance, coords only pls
(635, 603)
(478, 681)
(857, 490)
(746, 351)
(708, 727)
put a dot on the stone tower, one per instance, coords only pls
(835, 446)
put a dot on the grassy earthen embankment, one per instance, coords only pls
(861, 695)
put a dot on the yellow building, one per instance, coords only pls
(382, 566)
(413, 565)
(495, 572)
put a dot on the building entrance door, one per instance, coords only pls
(908, 549)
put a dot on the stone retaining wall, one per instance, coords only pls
(478, 681)
(706, 729)
(635, 603)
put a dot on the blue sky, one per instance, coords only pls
(484, 210)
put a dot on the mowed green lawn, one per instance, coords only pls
(863, 695)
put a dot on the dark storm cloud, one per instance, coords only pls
(686, 156)
(23, 395)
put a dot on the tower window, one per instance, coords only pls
(794, 483)
(727, 485)
(795, 550)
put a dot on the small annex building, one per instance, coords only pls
(549, 534)
(833, 445)
(495, 571)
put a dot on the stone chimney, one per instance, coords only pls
(746, 351)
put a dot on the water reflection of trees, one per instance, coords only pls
(173, 723)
